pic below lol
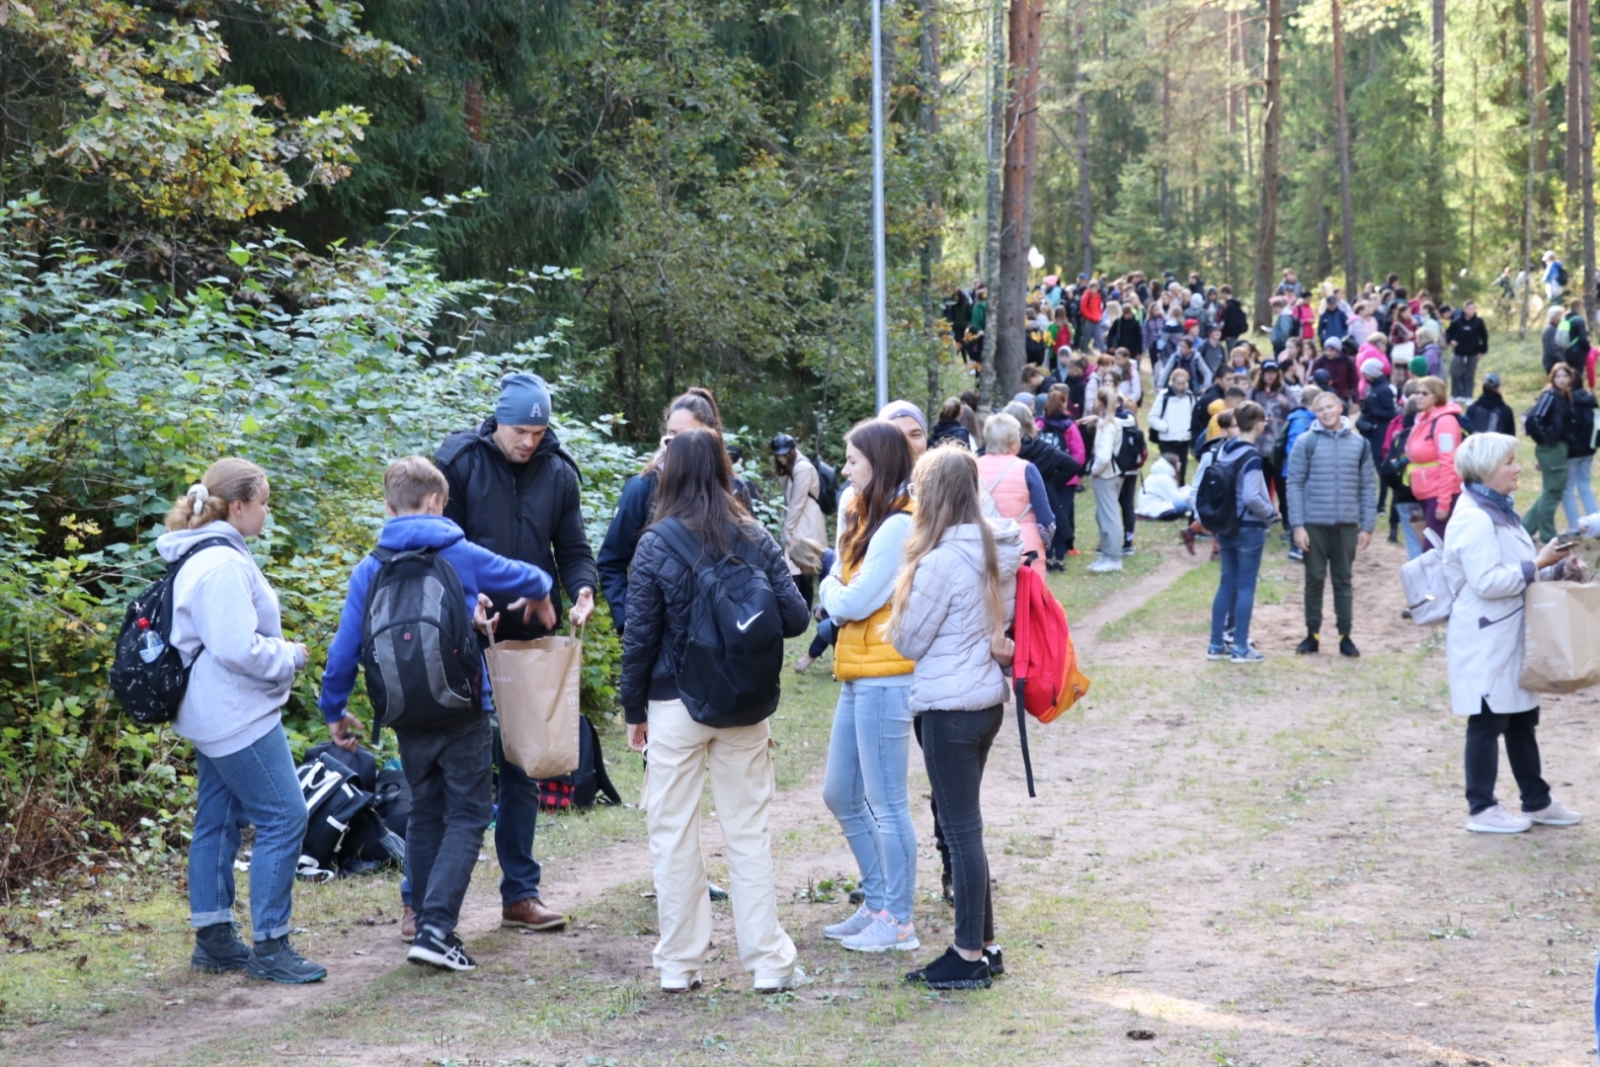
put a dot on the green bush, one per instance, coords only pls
(321, 368)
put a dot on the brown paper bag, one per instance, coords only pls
(536, 696)
(1561, 647)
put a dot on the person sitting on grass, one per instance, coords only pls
(449, 765)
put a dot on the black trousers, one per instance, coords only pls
(451, 805)
(1127, 497)
(955, 747)
(807, 586)
(1522, 752)
(1066, 522)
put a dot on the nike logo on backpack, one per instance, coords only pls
(743, 626)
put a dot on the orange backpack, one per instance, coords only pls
(1045, 667)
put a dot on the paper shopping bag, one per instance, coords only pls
(536, 696)
(1561, 643)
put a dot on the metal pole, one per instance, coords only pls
(880, 283)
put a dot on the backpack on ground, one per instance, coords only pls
(1427, 590)
(1216, 500)
(1132, 451)
(732, 665)
(418, 650)
(344, 833)
(586, 786)
(827, 487)
(148, 674)
(1045, 666)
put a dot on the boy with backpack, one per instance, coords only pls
(1233, 503)
(407, 621)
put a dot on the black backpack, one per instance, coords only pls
(151, 689)
(827, 488)
(417, 646)
(1561, 274)
(733, 662)
(1392, 469)
(1540, 421)
(1131, 451)
(344, 833)
(1216, 500)
(586, 786)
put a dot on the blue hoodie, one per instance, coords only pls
(479, 570)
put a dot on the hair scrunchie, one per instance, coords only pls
(199, 494)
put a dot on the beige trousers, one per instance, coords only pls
(742, 786)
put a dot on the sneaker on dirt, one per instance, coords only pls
(950, 971)
(217, 948)
(275, 960)
(1554, 814)
(997, 964)
(884, 935)
(851, 926)
(446, 953)
(1498, 820)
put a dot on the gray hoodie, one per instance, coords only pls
(226, 623)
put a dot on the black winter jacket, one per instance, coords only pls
(528, 512)
(661, 593)
(1234, 323)
(1491, 414)
(1125, 332)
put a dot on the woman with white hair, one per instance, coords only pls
(1015, 486)
(1489, 562)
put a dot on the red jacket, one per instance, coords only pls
(1092, 306)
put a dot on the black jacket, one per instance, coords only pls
(1552, 351)
(1580, 425)
(1234, 322)
(528, 512)
(949, 431)
(1546, 422)
(634, 509)
(1125, 332)
(1055, 468)
(1491, 414)
(1471, 336)
(1377, 412)
(1577, 353)
(660, 595)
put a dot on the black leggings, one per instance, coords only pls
(1522, 752)
(1128, 496)
(955, 747)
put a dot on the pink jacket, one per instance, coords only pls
(1431, 448)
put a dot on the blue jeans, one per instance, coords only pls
(1579, 491)
(1409, 532)
(516, 819)
(1236, 592)
(865, 788)
(255, 786)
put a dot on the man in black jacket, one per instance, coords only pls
(1577, 352)
(1235, 324)
(1468, 338)
(514, 491)
(1490, 413)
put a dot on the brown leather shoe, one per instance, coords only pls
(408, 925)
(531, 914)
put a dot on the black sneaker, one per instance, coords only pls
(217, 948)
(446, 953)
(997, 965)
(1348, 647)
(950, 971)
(275, 960)
(1308, 647)
(858, 896)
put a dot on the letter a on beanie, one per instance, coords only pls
(524, 401)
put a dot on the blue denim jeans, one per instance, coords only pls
(1577, 500)
(1409, 532)
(1236, 592)
(865, 788)
(255, 786)
(515, 820)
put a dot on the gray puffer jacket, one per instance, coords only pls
(1333, 481)
(945, 629)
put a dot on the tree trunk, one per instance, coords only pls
(1433, 246)
(1267, 219)
(1586, 150)
(1166, 140)
(932, 245)
(1007, 306)
(1540, 105)
(1574, 129)
(1347, 236)
(1535, 139)
(472, 109)
(992, 202)
(1085, 201)
(1029, 119)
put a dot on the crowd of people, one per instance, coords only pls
(1334, 415)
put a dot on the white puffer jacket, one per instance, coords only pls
(945, 629)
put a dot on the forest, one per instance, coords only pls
(316, 234)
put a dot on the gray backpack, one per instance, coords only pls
(1428, 593)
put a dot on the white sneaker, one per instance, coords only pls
(793, 980)
(1554, 814)
(884, 935)
(851, 926)
(1104, 566)
(680, 983)
(1499, 820)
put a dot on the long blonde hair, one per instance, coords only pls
(946, 481)
(225, 482)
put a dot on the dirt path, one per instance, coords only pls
(1256, 864)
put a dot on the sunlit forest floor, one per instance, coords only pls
(1224, 865)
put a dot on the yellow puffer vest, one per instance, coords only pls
(864, 649)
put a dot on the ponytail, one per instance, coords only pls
(227, 481)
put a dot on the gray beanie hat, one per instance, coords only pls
(524, 401)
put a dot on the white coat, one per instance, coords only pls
(1161, 494)
(1488, 561)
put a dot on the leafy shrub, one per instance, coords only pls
(321, 368)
